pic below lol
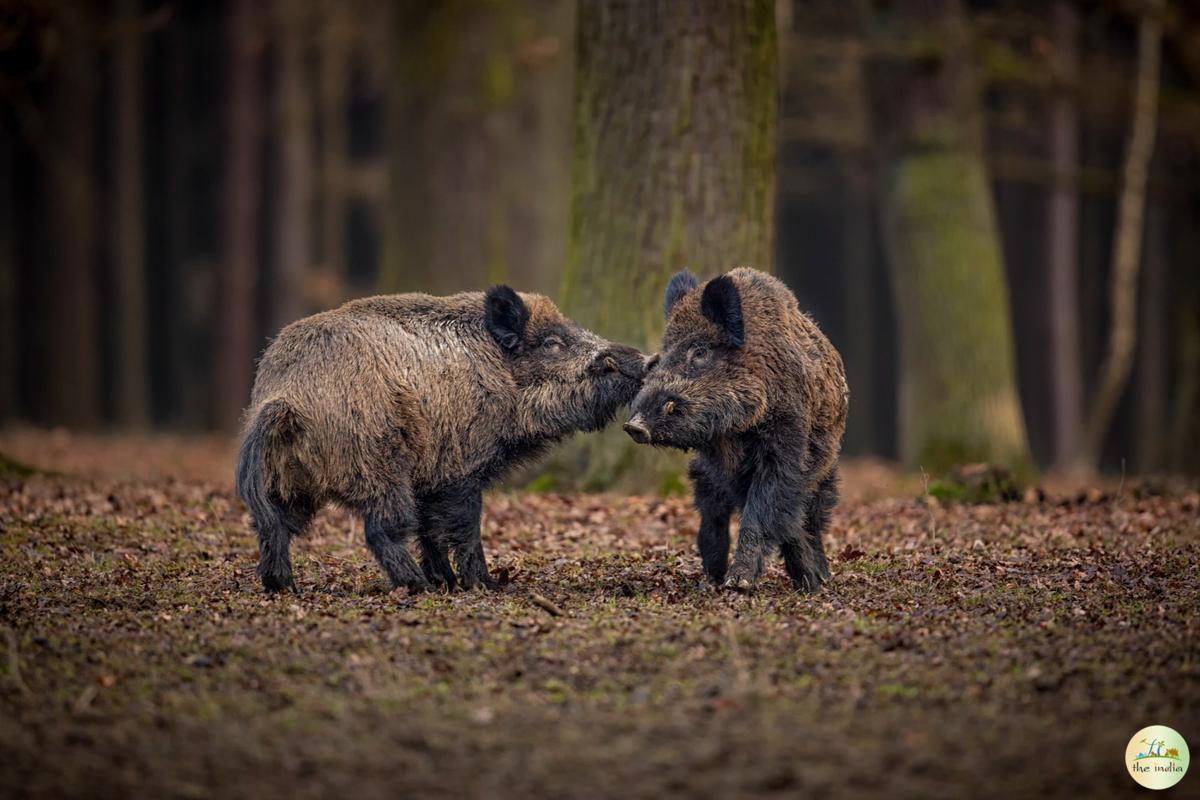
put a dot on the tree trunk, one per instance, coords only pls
(1127, 243)
(10, 314)
(132, 378)
(235, 350)
(1066, 358)
(674, 154)
(479, 113)
(333, 89)
(73, 395)
(1153, 351)
(674, 168)
(958, 395)
(293, 257)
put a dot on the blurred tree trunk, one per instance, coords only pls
(1185, 412)
(674, 167)
(10, 315)
(1151, 413)
(129, 235)
(1127, 242)
(292, 253)
(479, 103)
(73, 390)
(334, 76)
(1066, 358)
(188, 372)
(862, 329)
(958, 395)
(236, 348)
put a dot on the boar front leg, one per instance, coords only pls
(772, 510)
(456, 512)
(715, 503)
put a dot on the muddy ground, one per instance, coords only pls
(1000, 650)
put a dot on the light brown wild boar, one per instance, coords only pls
(403, 408)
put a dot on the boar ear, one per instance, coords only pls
(680, 284)
(505, 316)
(722, 304)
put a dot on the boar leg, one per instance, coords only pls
(435, 562)
(275, 532)
(444, 515)
(468, 548)
(715, 503)
(804, 552)
(387, 526)
(772, 509)
(820, 508)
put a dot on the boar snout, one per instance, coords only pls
(637, 430)
(619, 358)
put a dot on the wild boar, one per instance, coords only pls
(403, 408)
(747, 381)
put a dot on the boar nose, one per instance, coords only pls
(618, 358)
(637, 430)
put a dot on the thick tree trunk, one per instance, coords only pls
(236, 347)
(73, 391)
(674, 154)
(1066, 358)
(479, 115)
(292, 253)
(132, 374)
(674, 168)
(958, 395)
(1127, 243)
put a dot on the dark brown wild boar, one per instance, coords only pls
(404, 407)
(749, 382)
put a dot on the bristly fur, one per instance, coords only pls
(748, 382)
(404, 408)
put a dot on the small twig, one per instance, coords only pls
(84, 701)
(928, 505)
(1121, 485)
(546, 604)
(14, 662)
(217, 518)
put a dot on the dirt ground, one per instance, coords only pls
(1002, 650)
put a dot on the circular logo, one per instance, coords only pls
(1157, 757)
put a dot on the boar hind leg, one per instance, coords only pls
(388, 524)
(276, 525)
(804, 554)
(820, 509)
(435, 562)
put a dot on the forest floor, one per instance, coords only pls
(992, 650)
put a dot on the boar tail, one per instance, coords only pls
(265, 448)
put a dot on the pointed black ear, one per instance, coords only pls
(505, 316)
(722, 304)
(680, 284)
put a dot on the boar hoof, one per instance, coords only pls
(278, 583)
(743, 585)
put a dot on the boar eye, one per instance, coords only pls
(553, 344)
(699, 354)
(669, 407)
